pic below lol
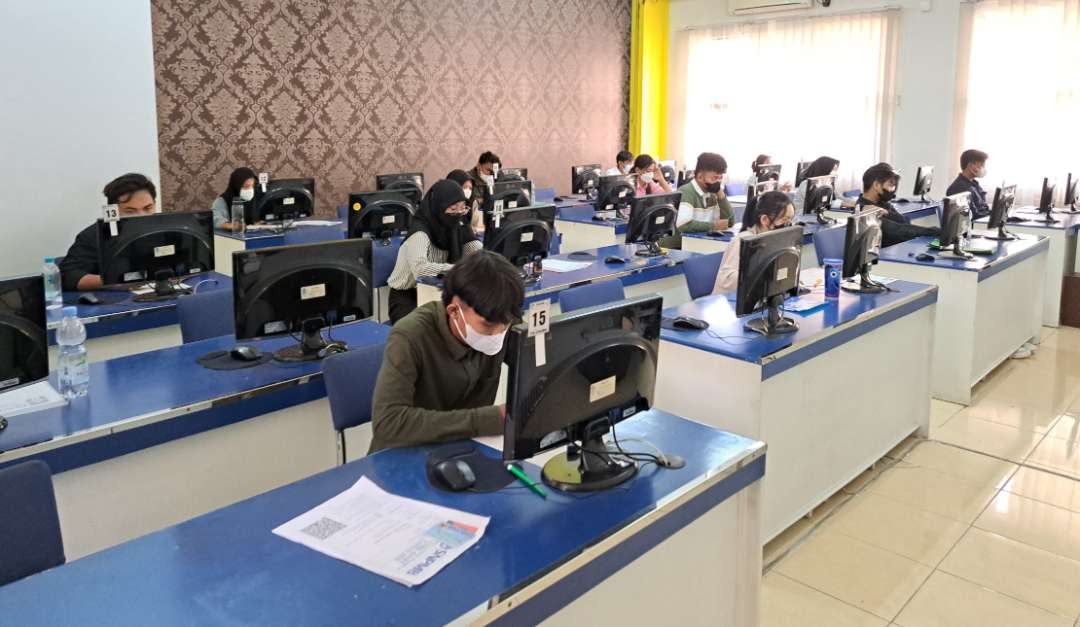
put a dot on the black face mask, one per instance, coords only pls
(887, 195)
(714, 188)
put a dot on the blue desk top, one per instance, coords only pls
(583, 213)
(808, 232)
(861, 313)
(160, 384)
(1005, 254)
(639, 269)
(91, 314)
(227, 568)
(1065, 221)
(261, 234)
(912, 209)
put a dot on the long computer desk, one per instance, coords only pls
(705, 243)
(822, 398)
(1061, 258)
(639, 275)
(580, 231)
(160, 439)
(120, 326)
(668, 547)
(987, 306)
(921, 213)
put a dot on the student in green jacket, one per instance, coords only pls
(442, 362)
(703, 207)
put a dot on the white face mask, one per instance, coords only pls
(981, 173)
(468, 193)
(247, 194)
(489, 345)
(488, 178)
(626, 168)
(647, 177)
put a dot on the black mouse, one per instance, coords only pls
(455, 474)
(924, 257)
(89, 299)
(902, 201)
(687, 323)
(245, 353)
(614, 259)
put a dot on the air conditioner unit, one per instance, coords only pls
(746, 7)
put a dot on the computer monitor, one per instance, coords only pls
(862, 247)
(685, 176)
(508, 195)
(614, 193)
(1046, 199)
(924, 181)
(400, 181)
(770, 172)
(599, 369)
(301, 289)
(820, 192)
(160, 248)
(1070, 192)
(955, 223)
(513, 174)
(800, 171)
(284, 200)
(669, 171)
(382, 215)
(522, 235)
(652, 218)
(999, 213)
(584, 179)
(24, 348)
(752, 194)
(768, 273)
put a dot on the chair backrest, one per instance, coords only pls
(206, 314)
(350, 384)
(343, 213)
(30, 539)
(555, 245)
(852, 193)
(312, 234)
(598, 293)
(829, 244)
(735, 189)
(383, 258)
(544, 194)
(700, 271)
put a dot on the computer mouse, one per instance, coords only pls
(614, 259)
(902, 201)
(89, 299)
(924, 257)
(686, 323)
(245, 353)
(455, 474)
(333, 348)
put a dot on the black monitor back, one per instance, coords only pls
(182, 243)
(652, 217)
(768, 266)
(1004, 197)
(614, 192)
(382, 215)
(522, 235)
(685, 176)
(24, 349)
(1046, 197)
(955, 218)
(924, 180)
(508, 195)
(770, 172)
(284, 199)
(276, 289)
(820, 192)
(584, 178)
(513, 174)
(399, 181)
(862, 240)
(600, 362)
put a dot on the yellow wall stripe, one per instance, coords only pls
(648, 76)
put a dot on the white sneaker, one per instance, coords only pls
(1022, 353)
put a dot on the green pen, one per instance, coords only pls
(522, 477)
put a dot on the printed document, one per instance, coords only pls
(560, 265)
(30, 398)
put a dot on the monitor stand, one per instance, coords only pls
(164, 289)
(311, 346)
(772, 323)
(866, 285)
(579, 471)
(532, 272)
(821, 219)
(652, 249)
(1002, 234)
(1048, 216)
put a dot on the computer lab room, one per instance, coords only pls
(720, 313)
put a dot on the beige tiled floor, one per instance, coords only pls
(978, 526)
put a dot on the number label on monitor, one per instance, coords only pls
(264, 178)
(389, 219)
(288, 201)
(781, 273)
(527, 236)
(659, 220)
(164, 251)
(307, 292)
(277, 326)
(132, 276)
(110, 213)
(539, 316)
(269, 217)
(602, 389)
(622, 193)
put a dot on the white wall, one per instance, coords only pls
(925, 70)
(76, 110)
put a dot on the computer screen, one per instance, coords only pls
(24, 349)
(1070, 191)
(400, 181)
(508, 195)
(1004, 197)
(820, 192)
(955, 221)
(770, 172)
(614, 193)
(924, 181)
(599, 368)
(768, 272)
(585, 178)
(862, 247)
(669, 170)
(1046, 196)
(652, 218)
(800, 171)
(284, 199)
(513, 174)
(382, 215)
(156, 247)
(522, 235)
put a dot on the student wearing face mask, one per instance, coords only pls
(242, 186)
(439, 236)
(462, 178)
(972, 166)
(703, 207)
(624, 163)
(774, 211)
(879, 189)
(647, 177)
(483, 176)
(442, 362)
(134, 195)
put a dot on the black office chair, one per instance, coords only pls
(30, 539)
(350, 385)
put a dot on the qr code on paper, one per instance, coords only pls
(323, 528)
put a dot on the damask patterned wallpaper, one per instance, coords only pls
(343, 89)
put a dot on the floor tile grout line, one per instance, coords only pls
(1021, 464)
(822, 592)
(1003, 593)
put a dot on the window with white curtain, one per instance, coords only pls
(1020, 98)
(794, 89)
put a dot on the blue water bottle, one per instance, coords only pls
(833, 269)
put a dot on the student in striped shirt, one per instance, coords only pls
(440, 235)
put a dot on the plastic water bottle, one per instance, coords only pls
(74, 366)
(237, 211)
(54, 298)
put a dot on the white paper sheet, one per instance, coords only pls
(30, 398)
(561, 265)
(316, 223)
(392, 536)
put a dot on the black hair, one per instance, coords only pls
(972, 156)
(772, 204)
(122, 187)
(759, 161)
(710, 162)
(624, 155)
(643, 161)
(879, 173)
(822, 166)
(489, 157)
(236, 180)
(489, 284)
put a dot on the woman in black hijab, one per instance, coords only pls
(242, 185)
(822, 166)
(462, 178)
(439, 236)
